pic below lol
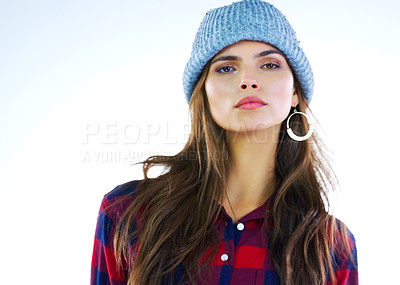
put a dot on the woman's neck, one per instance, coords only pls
(251, 176)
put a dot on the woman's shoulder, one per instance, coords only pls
(116, 201)
(344, 253)
(341, 229)
(113, 206)
(122, 190)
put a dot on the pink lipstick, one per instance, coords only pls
(250, 103)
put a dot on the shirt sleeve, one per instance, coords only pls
(347, 266)
(104, 269)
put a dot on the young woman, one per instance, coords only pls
(245, 201)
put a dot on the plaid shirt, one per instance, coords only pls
(241, 259)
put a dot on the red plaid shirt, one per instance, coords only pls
(242, 256)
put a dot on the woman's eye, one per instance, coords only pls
(270, 65)
(225, 69)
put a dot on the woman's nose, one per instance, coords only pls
(249, 84)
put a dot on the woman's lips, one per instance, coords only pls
(250, 103)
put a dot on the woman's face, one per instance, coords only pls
(250, 87)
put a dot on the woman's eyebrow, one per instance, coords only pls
(261, 54)
(227, 57)
(268, 52)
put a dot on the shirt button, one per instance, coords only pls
(224, 257)
(240, 227)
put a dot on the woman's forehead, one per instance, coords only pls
(246, 45)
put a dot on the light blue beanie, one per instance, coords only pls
(246, 20)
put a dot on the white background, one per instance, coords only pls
(89, 87)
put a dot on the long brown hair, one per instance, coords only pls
(171, 217)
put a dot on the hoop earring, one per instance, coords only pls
(292, 134)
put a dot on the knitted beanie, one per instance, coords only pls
(246, 20)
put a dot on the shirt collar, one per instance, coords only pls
(258, 213)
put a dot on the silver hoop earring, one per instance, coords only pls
(292, 134)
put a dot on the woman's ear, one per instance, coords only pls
(295, 98)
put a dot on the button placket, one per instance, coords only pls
(228, 254)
